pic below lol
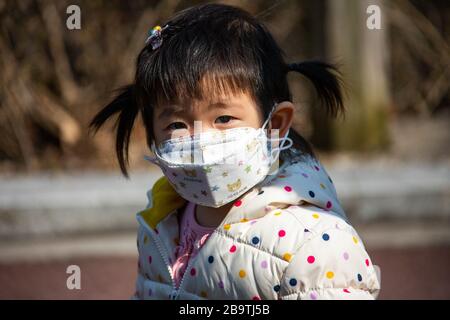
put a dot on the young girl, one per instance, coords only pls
(240, 213)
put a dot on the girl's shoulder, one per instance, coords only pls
(301, 181)
(316, 222)
(300, 223)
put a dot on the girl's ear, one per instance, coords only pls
(282, 117)
(125, 107)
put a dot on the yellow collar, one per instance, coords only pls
(164, 201)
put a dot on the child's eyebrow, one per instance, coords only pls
(219, 104)
(170, 110)
(173, 109)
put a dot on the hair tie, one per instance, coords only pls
(155, 37)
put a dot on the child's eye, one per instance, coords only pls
(176, 126)
(224, 119)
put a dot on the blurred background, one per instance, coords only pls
(63, 201)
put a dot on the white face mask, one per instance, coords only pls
(214, 168)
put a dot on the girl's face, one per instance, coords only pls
(217, 113)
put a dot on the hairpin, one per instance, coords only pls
(155, 36)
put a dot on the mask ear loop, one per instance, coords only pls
(153, 159)
(281, 147)
(269, 116)
(283, 140)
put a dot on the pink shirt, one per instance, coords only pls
(192, 238)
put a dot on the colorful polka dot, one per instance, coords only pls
(322, 186)
(330, 274)
(313, 296)
(355, 240)
(193, 272)
(293, 282)
(306, 230)
(210, 259)
(329, 204)
(346, 256)
(326, 237)
(264, 264)
(315, 216)
(311, 194)
(243, 220)
(367, 262)
(317, 168)
(150, 259)
(277, 288)
(288, 188)
(221, 286)
(281, 233)
(145, 239)
(287, 256)
(203, 294)
(233, 249)
(359, 277)
(255, 240)
(277, 213)
(238, 203)
(305, 175)
(242, 273)
(227, 227)
(346, 291)
(311, 259)
(256, 298)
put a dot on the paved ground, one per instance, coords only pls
(80, 202)
(407, 273)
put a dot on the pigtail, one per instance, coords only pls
(125, 105)
(327, 81)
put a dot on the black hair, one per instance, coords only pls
(213, 48)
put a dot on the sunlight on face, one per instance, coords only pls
(215, 113)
